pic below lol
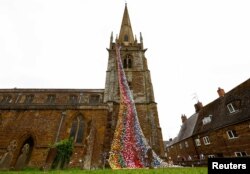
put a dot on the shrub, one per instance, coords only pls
(64, 151)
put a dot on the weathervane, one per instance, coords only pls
(195, 96)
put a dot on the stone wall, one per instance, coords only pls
(46, 124)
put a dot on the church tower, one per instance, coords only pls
(139, 81)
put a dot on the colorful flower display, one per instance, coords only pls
(129, 147)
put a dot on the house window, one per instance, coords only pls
(207, 120)
(6, 99)
(232, 134)
(234, 106)
(186, 144)
(230, 108)
(51, 99)
(206, 140)
(29, 99)
(197, 142)
(211, 156)
(76, 131)
(94, 99)
(73, 99)
(240, 154)
(127, 62)
(180, 146)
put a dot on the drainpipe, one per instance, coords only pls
(60, 125)
(196, 151)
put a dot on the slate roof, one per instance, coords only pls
(186, 130)
(221, 117)
(170, 143)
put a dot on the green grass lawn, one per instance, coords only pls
(183, 170)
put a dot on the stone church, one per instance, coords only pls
(32, 120)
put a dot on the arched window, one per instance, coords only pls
(127, 62)
(125, 37)
(130, 85)
(77, 129)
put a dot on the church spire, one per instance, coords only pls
(126, 33)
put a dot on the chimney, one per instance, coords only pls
(221, 92)
(198, 106)
(183, 118)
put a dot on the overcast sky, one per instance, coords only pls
(194, 47)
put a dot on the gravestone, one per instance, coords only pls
(90, 140)
(22, 159)
(50, 158)
(7, 156)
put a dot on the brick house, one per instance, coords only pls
(42, 117)
(221, 129)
